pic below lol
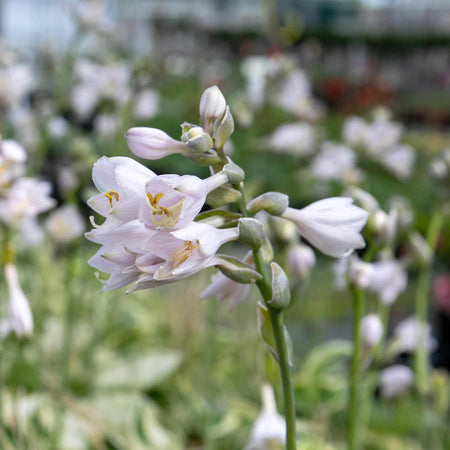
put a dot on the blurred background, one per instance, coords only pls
(164, 368)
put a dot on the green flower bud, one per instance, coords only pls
(197, 140)
(209, 158)
(281, 294)
(223, 128)
(234, 173)
(267, 251)
(223, 195)
(238, 271)
(251, 232)
(186, 126)
(274, 203)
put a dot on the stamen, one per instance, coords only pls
(167, 216)
(182, 254)
(112, 195)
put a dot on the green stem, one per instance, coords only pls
(280, 335)
(355, 374)
(423, 289)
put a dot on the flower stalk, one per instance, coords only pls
(422, 295)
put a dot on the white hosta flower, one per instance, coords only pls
(408, 334)
(121, 182)
(185, 252)
(389, 280)
(382, 135)
(332, 225)
(151, 143)
(173, 201)
(30, 231)
(300, 260)
(57, 127)
(334, 162)
(12, 161)
(146, 104)
(223, 288)
(16, 82)
(294, 138)
(360, 272)
(295, 89)
(395, 380)
(269, 429)
(115, 257)
(354, 131)
(399, 160)
(371, 330)
(20, 319)
(65, 224)
(106, 125)
(84, 98)
(25, 199)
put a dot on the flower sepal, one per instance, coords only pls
(223, 196)
(281, 294)
(237, 270)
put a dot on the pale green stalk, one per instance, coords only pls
(422, 296)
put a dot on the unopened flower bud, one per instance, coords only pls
(371, 329)
(267, 251)
(234, 173)
(281, 294)
(223, 195)
(360, 273)
(395, 380)
(238, 271)
(363, 199)
(251, 232)
(197, 140)
(420, 248)
(379, 223)
(274, 203)
(212, 105)
(186, 126)
(223, 128)
(300, 260)
(209, 158)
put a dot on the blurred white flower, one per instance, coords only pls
(354, 131)
(399, 160)
(224, 288)
(65, 224)
(84, 98)
(269, 429)
(16, 82)
(67, 179)
(25, 199)
(106, 125)
(294, 138)
(334, 162)
(57, 126)
(300, 260)
(408, 333)
(146, 104)
(371, 330)
(12, 161)
(360, 272)
(20, 319)
(389, 280)
(395, 380)
(382, 135)
(332, 225)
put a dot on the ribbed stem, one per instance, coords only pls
(355, 374)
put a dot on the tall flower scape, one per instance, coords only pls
(154, 231)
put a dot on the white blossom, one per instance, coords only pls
(409, 332)
(332, 225)
(395, 380)
(65, 224)
(146, 104)
(224, 288)
(294, 138)
(300, 260)
(371, 330)
(389, 280)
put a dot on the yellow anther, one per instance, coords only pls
(182, 254)
(167, 216)
(112, 195)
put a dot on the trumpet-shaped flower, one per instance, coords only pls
(20, 319)
(389, 279)
(173, 201)
(269, 429)
(184, 252)
(121, 182)
(332, 225)
(224, 288)
(151, 143)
